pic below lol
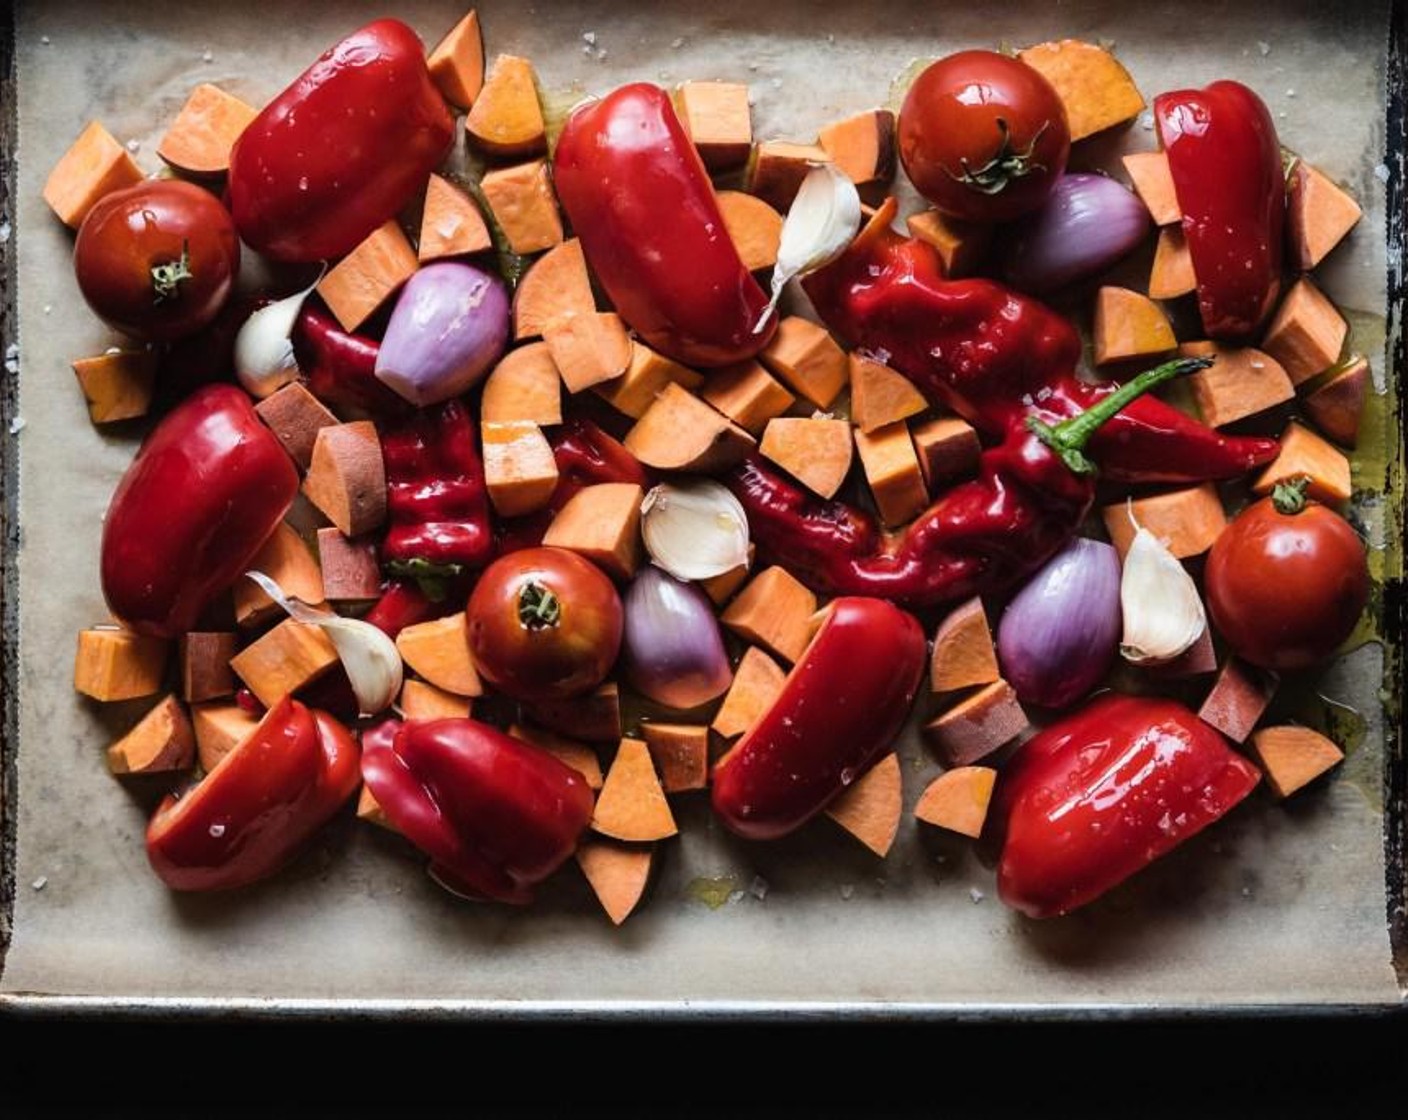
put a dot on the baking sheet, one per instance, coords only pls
(1275, 906)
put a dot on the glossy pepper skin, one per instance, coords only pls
(839, 709)
(341, 367)
(998, 359)
(342, 149)
(262, 801)
(207, 488)
(1099, 795)
(496, 815)
(1226, 165)
(638, 196)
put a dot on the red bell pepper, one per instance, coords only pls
(342, 149)
(207, 488)
(1226, 164)
(632, 182)
(496, 815)
(840, 707)
(341, 368)
(1094, 798)
(258, 805)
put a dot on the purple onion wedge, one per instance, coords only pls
(674, 653)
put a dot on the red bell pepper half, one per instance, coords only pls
(1101, 794)
(1226, 164)
(840, 707)
(341, 367)
(496, 815)
(258, 805)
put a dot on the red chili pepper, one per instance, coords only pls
(496, 815)
(341, 367)
(342, 149)
(1099, 795)
(1226, 164)
(840, 707)
(258, 805)
(639, 198)
(206, 489)
(404, 603)
(1002, 361)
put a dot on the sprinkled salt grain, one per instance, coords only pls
(40, 883)
(207, 56)
(752, 66)
(589, 37)
(44, 39)
(846, 891)
(4, 232)
(758, 888)
(16, 425)
(217, 831)
(975, 894)
(1264, 47)
(134, 146)
(777, 83)
(676, 44)
(735, 896)
(1381, 172)
(48, 307)
(1146, 121)
(1290, 93)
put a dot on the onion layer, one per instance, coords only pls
(674, 653)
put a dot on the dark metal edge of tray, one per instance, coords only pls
(1395, 607)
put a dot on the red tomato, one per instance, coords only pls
(544, 623)
(157, 261)
(1287, 581)
(983, 136)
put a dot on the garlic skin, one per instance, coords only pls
(822, 220)
(370, 658)
(264, 361)
(1163, 612)
(694, 529)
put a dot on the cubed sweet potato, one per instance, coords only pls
(346, 478)
(451, 224)
(1241, 382)
(422, 700)
(1187, 520)
(681, 754)
(116, 664)
(977, 725)
(161, 741)
(1337, 405)
(295, 417)
(1305, 455)
(1172, 274)
(1319, 215)
(1094, 87)
(520, 472)
(1307, 332)
(456, 64)
(754, 227)
(285, 559)
(368, 276)
(862, 146)
(1292, 757)
(879, 395)
(948, 449)
(892, 469)
(963, 650)
(716, 116)
(805, 356)
(219, 728)
(588, 348)
(285, 659)
(351, 573)
(524, 205)
(1238, 698)
(506, 118)
(756, 684)
(577, 755)
(679, 432)
(204, 657)
(96, 165)
(200, 138)
(870, 808)
(772, 611)
(817, 453)
(777, 168)
(117, 385)
(961, 245)
(602, 523)
(1129, 325)
(1153, 182)
(958, 800)
(631, 805)
(439, 651)
(556, 285)
(525, 385)
(646, 376)
(595, 717)
(617, 873)
(747, 394)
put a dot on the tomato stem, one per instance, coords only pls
(1005, 165)
(1289, 496)
(166, 278)
(538, 607)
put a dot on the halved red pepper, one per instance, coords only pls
(340, 367)
(1226, 164)
(840, 707)
(342, 149)
(496, 815)
(1104, 792)
(640, 200)
(258, 805)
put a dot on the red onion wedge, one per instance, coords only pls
(674, 653)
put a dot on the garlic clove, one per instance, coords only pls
(264, 361)
(1163, 612)
(821, 222)
(694, 529)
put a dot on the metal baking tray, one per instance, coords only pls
(1291, 908)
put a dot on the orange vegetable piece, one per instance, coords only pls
(680, 752)
(963, 650)
(1153, 182)
(451, 224)
(285, 659)
(879, 395)
(1306, 455)
(1293, 757)
(295, 416)
(439, 651)
(862, 146)
(961, 245)
(602, 523)
(555, 286)
(815, 452)
(747, 394)
(370, 811)
(456, 64)
(1172, 275)
(977, 725)
(636, 389)
(777, 168)
(163, 740)
(199, 140)
(578, 756)
(773, 612)
(117, 386)
(679, 432)
(219, 729)
(595, 716)
(1319, 215)
(520, 472)
(1307, 332)
(286, 559)
(1186, 520)
(347, 479)
(756, 684)
(617, 874)
(588, 348)
(1337, 405)
(1240, 383)
(1096, 90)
(1238, 699)
(351, 572)
(632, 805)
(1129, 325)
(525, 385)
(892, 469)
(524, 205)
(948, 448)
(95, 166)
(368, 276)
(116, 664)
(720, 588)
(204, 657)
(958, 800)
(506, 119)
(716, 116)
(807, 358)
(870, 808)
(421, 700)
(754, 227)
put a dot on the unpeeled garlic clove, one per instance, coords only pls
(694, 529)
(264, 361)
(1163, 612)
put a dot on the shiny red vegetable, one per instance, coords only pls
(1226, 164)
(342, 149)
(262, 801)
(840, 707)
(640, 200)
(341, 367)
(495, 814)
(1099, 795)
(206, 489)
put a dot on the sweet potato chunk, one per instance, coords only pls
(1172, 275)
(747, 394)
(1337, 405)
(647, 375)
(555, 286)
(1095, 88)
(870, 809)
(1238, 699)
(777, 168)
(579, 756)
(525, 385)
(285, 659)
(96, 165)
(457, 63)
(204, 657)
(977, 725)
(163, 740)
(506, 118)
(520, 472)
(524, 205)
(720, 588)
(295, 417)
(879, 395)
(1129, 325)
(815, 452)
(602, 523)
(679, 432)
(961, 245)
(1186, 520)
(632, 805)
(1306, 455)
(451, 224)
(368, 276)
(756, 684)
(117, 386)
(1307, 332)
(1292, 757)
(595, 717)
(439, 651)
(772, 611)
(116, 664)
(754, 227)
(199, 140)
(1240, 383)
(285, 559)
(1319, 215)
(862, 146)
(1153, 182)
(351, 573)
(805, 356)
(963, 650)
(617, 873)
(681, 754)
(588, 348)
(219, 729)
(958, 800)
(892, 470)
(948, 448)
(716, 116)
(346, 479)
(421, 700)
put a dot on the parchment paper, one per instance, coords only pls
(1278, 904)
